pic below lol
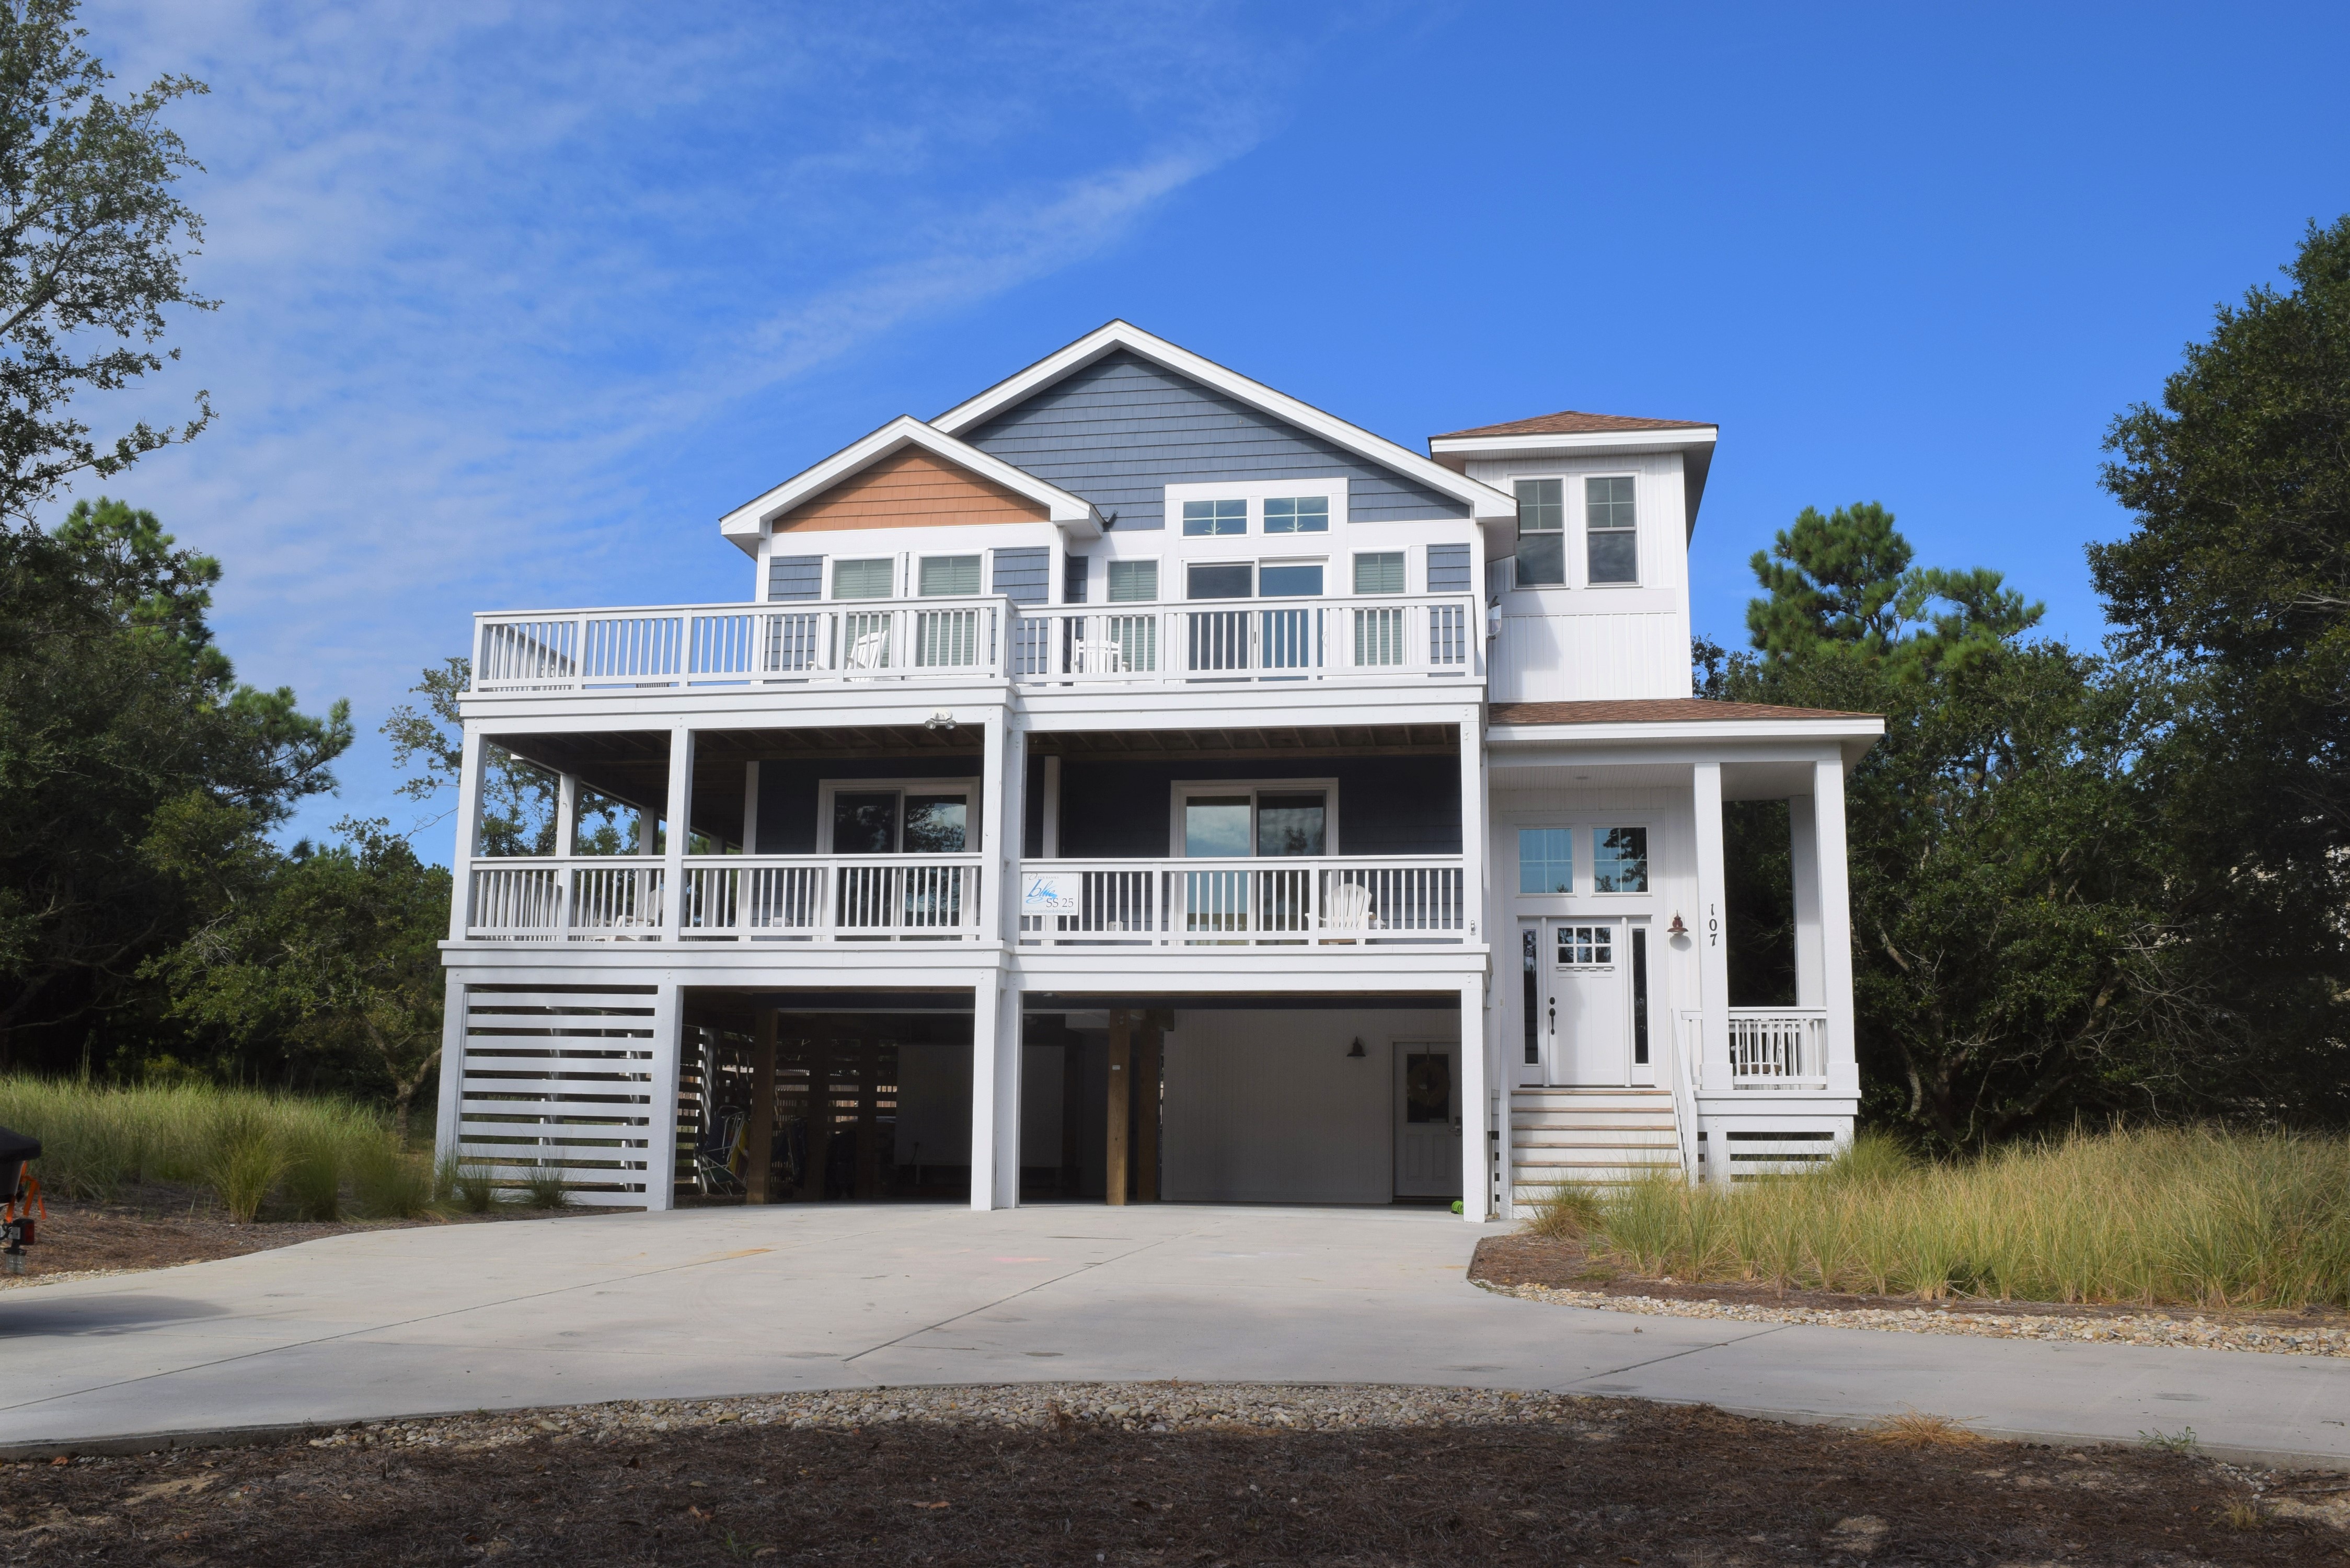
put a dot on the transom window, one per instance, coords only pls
(1542, 532)
(1379, 572)
(1620, 860)
(943, 574)
(1545, 860)
(1203, 519)
(862, 579)
(1611, 538)
(1587, 947)
(1133, 582)
(1296, 514)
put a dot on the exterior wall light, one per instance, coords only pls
(942, 719)
(1677, 928)
(1356, 1049)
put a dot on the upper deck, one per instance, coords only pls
(895, 643)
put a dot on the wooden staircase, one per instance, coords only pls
(1597, 1137)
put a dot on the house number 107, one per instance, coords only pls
(1713, 926)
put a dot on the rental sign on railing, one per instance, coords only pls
(679, 646)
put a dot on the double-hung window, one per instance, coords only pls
(1612, 542)
(1620, 860)
(1208, 519)
(943, 576)
(1546, 861)
(862, 579)
(1542, 532)
(1133, 582)
(1378, 572)
(1378, 628)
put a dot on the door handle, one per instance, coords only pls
(1554, 1015)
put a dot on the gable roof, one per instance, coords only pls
(1571, 421)
(1075, 514)
(1484, 502)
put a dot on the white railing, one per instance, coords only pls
(729, 898)
(1282, 901)
(1769, 1048)
(719, 645)
(1234, 640)
(676, 647)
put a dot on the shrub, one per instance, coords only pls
(387, 1184)
(1567, 1211)
(244, 1167)
(314, 1177)
(470, 1188)
(545, 1188)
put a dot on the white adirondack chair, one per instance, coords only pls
(1348, 909)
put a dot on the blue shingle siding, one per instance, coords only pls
(1072, 579)
(1387, 805)
(1024, 576)
(1448, 568)
(1122, 429)
(796, 576)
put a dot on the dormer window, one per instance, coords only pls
(1297, 515)
(1610, 537)
(1542, 532)
(1203, 519)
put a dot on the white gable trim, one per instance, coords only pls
(747, 523)
(1485, 503)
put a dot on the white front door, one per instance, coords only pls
(1587, 1007)
(1427, 1121)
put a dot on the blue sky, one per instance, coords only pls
(517, 299)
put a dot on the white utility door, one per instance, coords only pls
(1589, 1005)
(1428, 1120)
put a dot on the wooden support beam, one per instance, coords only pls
(759, 1131)
(819, 1119)
(1121, 1084)
(1073, 1111)
(1146, 1056)
(869, 1120)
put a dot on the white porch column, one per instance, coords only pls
(566, 814)
(1712, 954)
(1476, 1108)
(1002, 821)
(994, 1093)
(1803, 856)
(1473, 823)
(661, 1124)
(453, 1069)
(1836, 926)
(469, 833)
(681, 809)
(1052, 847)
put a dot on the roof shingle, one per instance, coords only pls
(1568, 421)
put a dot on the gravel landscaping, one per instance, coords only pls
(1157, 1474)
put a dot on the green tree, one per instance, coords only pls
(2016, 959)
(94, 240)
(319, 966)
(517, 796)
(114, 700)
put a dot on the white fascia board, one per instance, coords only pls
(1852, 737)
(1589, 443)
(1485, 501)
(1074, 513)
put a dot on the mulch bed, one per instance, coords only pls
(1563, 1263)
(161, 1225)
(1618, 1482)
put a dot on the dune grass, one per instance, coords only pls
(2152, 1216)
(262, 1154)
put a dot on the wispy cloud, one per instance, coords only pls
(485, 267)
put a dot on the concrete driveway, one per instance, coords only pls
(743, 1301)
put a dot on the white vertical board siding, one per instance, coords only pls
(1267, 1108)
(934, 1104)
(1581, 643)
